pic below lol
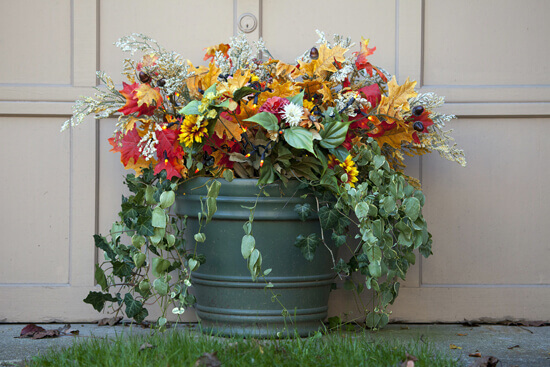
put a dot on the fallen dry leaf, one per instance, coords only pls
(111, 321)
(514, 346)
(29, 330)
(452, 346)
(404, 328)
(208, 360)
(475, 355)
(488, 361)
(46, 334)
(461, 334)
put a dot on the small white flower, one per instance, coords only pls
(293, 114)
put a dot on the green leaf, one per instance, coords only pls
(266, 119)
(303, 211)
(98, 299)
(328, 217)
(170, 239)
(248, 244)
(211, 207)
(247, 228)
(388, 203)
(134, 308)
(214, 189)
(159, 218)
(122, 268)
(199, 237)
(405, 234)
(159, 266)
(116, 230)
(138, 241)
(192, 108)
(362, 210)
(159, 235)
(243, 92)
(411, 206)
(161, 286)
(149, 195)
(308, 245)
(340, 153)
(373, 253)
(100, 277)
(267, 173)
(139, 259)
(375, 269)
(341, 267)
(334, 134)
(338, 240)
(379, 161)
(144, 286)
(101, 243)
(254, 263)
(193, 264)
(267, 272)
(211, 89)
(228, 175)
(167, 198)
(297, 99)
(299, 138)
(143, 225)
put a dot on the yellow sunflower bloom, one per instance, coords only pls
(192, 130)
(351, 170)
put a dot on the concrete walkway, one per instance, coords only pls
(512, 345)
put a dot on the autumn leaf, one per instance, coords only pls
(194, 80)
(130, 146)
(286, 71)
(395, 137)
(452, 346)
(211, 77)
(229, 127)
(167, 144)
(211, 51)
(149, 96)
(397, 99)
(147, 61)
(172, 166)
(325, 62)
(139, 165)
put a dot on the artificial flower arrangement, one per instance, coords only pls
(332, 120)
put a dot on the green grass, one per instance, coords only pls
(183, 348)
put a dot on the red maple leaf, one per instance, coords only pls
(372, 94)
(133, 102)
(167, 146)
(172, 167)
(129, 148)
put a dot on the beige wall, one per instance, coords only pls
(489, 58)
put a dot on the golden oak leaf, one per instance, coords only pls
(283, 90)
(131, 122)
(326, 93)
(148, 96)
(211, 77)
(395, 136)
(139, 165)
(284, 70)
(230, 128)
(325, 62)
(397, 99)
(193, 81)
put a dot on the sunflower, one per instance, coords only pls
(192, 130)
(351, 170)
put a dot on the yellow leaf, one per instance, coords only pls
(131, 121)
(283, 70)
(397, 99)
(325, 63)
(395, 136)
(147, 95)
(230, 128)
(452, 346)
(139, 165)
(211, 77)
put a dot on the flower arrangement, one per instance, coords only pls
(332, 120)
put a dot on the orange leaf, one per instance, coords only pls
(148, 96)
(211, 77)
(230, 128)
(452, 346)
(139, 165)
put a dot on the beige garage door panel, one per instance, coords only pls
(186, 27)
(35, 42)
(35, 201)
(489, 220)
(288, 31)
(498, 42)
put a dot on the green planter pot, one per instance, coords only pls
(228, 301)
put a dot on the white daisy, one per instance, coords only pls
(293, 114)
